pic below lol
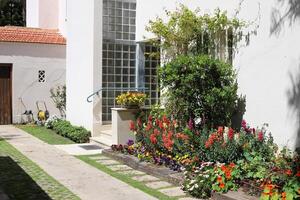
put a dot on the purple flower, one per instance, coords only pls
(130, 142)
(191, 124)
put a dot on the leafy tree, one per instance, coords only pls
(58, 96)
(188, 32)
(200, 87)
(12, 12)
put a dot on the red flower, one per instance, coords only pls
(131, 125)
(260, 136)
(156, 132)
(288, 172)
(232, 165)
(153, 139)
(161, 124)
(220, 130)
(298, 173)
(149, 126)
(139, 122)
(230, 134)
(150, 118)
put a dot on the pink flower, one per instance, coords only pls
(260, 136)
(244, 124)
(230, 134)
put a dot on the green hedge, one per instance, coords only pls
(75, 133)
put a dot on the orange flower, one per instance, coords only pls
(224, 168)
(228, 174)
(222, 185)
(182, 136)
(219, 179)
(283, 195)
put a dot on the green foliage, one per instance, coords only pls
(58, 95)
(188, 32)
(45, 134)
(12, 12)
(75, 133)
(200, 87)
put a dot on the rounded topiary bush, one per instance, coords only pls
(200, 87)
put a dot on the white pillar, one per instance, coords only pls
(84, 47)
(32, 13)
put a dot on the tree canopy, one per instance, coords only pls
(12, 12)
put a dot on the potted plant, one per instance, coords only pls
(131, 99)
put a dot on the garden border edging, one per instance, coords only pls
(169, 175)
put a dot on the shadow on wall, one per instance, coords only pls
(293, 95)
(279, 18)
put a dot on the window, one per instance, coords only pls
(42, 76)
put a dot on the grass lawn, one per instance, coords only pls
(45, 134)
(126, 178)
(21, 179)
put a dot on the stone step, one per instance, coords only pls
(106, 132)
(102, 140)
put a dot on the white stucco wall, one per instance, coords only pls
(268, 69)
(84, 44)
(27, 59)
(42, 14)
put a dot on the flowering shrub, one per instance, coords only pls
(50, 121)
(217, 160)
(131, 99)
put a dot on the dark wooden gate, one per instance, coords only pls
(5, 94)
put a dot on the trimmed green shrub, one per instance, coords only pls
(200, 87)
(75, 133)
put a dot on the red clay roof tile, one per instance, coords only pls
(31, 35)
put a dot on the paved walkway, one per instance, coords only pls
(83, 180)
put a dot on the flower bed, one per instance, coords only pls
(217, 160)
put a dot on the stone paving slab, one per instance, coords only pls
(85, 181)
(80, 149)
(188, 198)
(173, 192)
(119, 167)
(99, 158)
(158, 184)
(108, 162)
(132, 172)
(145, 178)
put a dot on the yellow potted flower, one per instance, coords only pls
(131, 99)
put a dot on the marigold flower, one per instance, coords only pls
(283, 195)
(219, 179)
(228, 174)
(224, 168)
(222, 185)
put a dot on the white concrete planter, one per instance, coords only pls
(121, 118)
